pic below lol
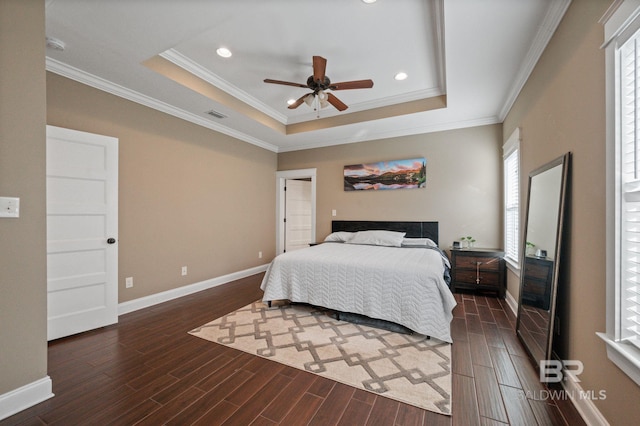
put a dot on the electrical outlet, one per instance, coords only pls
(128, 282)
(259, 255)
(184, 271)
(9, 207)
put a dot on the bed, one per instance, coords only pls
(388, 271)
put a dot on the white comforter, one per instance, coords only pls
(402, 285)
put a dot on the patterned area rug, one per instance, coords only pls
(404, 367)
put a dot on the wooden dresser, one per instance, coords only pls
(537, 282)
(478, 269)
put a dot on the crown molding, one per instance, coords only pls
(615, 5)
(201, 72)
(549, 25)
(364, 106)
(409, 131)
(99, 83)
(438, 23)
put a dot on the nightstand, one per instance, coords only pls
(537, 282)
(478, 269)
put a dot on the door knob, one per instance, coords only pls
(111, 241)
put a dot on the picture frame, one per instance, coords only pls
(386, 175)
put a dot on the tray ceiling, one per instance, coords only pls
(466, 61)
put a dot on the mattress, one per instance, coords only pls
(404, 285)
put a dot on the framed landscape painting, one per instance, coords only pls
(396, 174)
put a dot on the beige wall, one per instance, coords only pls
(188, 196)
(23, 302)
(217, 231)
(562, 108)
(463, 190)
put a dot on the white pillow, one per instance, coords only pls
(418, 242)
(340, 237)
(378, 238)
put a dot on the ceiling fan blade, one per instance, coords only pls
(286, 83)
(340, 106)
(319, 68)
(356, 84)
(298, 101)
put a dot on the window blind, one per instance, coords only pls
(629, 149)
(512, 204)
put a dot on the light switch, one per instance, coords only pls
(9, 207)
(333, 213)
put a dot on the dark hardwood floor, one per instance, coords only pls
(147, 370)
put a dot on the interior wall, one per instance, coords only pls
(23, 302)
(188, 196)
(562, 108)
(463, 190)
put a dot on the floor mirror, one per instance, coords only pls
(541, 249)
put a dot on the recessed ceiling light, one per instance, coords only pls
(368, 1)
(401, 76)
(224, 52)
(291, 101)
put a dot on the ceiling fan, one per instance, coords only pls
(319, 83)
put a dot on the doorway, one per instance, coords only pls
(82, 228)
(296, 204)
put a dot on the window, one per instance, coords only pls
(629, 193)
(622, 42)
(512, 198)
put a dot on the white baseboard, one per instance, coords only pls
(24, 397)
(512, 303)
(583, 401)
(165, 296)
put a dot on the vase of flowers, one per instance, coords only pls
(469, 241)
(531, 248)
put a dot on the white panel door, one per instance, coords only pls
(82, 228)
(297, 214)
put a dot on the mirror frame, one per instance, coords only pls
(563, 161)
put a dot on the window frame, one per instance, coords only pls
(621, 22)
(512, 147)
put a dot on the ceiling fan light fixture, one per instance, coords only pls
(401, 76)
(319, 83)
(309, 99)
(368, 1)
(224, 52)
(323, 99)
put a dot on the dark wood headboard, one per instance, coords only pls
(413, 229)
